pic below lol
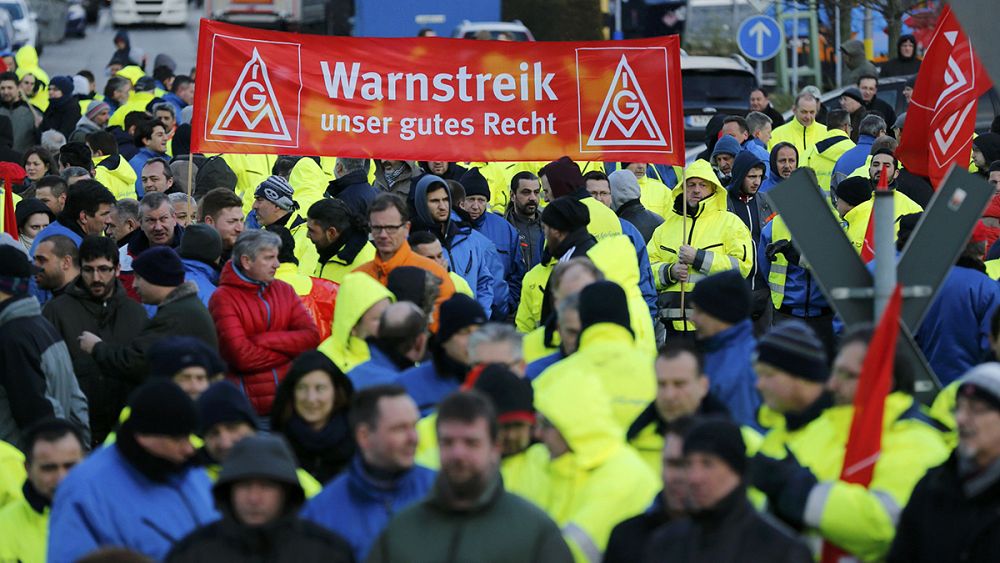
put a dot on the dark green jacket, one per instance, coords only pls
(501, 527)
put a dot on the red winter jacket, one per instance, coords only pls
(262, 328)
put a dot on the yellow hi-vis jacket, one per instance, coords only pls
(857, 218)
(358, 293)
(24, 532)
(250, 170)
(822, 157)
(601, 480)
(722, 240)
(861, 520)
(803, 138)
(116, 174)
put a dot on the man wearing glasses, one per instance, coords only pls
(390, 226)
(96, 302)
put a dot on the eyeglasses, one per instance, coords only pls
(100, 269)
(389, 229)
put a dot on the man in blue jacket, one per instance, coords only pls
(497, 229)
(140, 493)
(383, 478)
(872, 127)
(470, 254)
(725, 336)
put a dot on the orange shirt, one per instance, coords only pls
(380, 270)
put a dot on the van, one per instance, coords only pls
(166, 12)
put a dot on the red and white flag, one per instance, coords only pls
(942, 114)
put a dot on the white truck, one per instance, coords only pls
(166, 12)
(309, 16)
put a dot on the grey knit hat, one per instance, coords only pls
(794, 348)
(278, 191)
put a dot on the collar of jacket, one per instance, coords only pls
(78, 290)
(446, 366)
(606, 333)
(185, 289)
(373, 480)
(573, 239)
(152, 467)
(730, 508)
(288, 272)
(345, 249)
(139, 243)
(631, 206)
(400, 258)
(238, 278)
(338, 185)
(797, 420)
(442, 496)
(514, 217)
(19, 307)
(35, 500)
(739, 331)
(709, 406)
(701, 207)
(976, 480)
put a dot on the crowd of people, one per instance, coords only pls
(259, 357)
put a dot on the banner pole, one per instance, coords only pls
(190, 181)
(684, 204)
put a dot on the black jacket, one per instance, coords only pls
(629, 538)
(943, 523)
(732, 531)
(117, 321)
(288, 539)
(61, 115)
(777, 120)
(644, 220)
(181, 314)
(354, 190)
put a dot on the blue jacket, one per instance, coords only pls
(802, 291)
(535, 368)
(177, 102)
(852, 159)
(759, 149)
(470, 254)
(426, 386)
(204, 276)
(358, 506)
(105, 501)
(645, 271)
(730, 375)
(378, 370)
(137, 162)
(507, 241)
(772, 178)
(955, 333)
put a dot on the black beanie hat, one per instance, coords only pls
(793, 348)
(223, 402)
(15, 270)
(161, 266)
(854, 190)
(563, 175)
(201, 242)
(719, 437)
(456, 313)
(28, 207)
(475, 184)
(172, 354)
(604, 302)
(854, 94)
(512, 396)
(566, 214)
(161, 407)
(724, 296)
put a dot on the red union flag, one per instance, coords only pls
(942, 114)
(437, 99)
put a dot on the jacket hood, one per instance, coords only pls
(419, 195)
(263, 456)
(727, 144)
(19, 307)
(855, 51)
(624, 188)
(358, 292)
(122, 35)
(27, 63)
(903, 39)
(118, 168)
(745, 161)
(989, 145)
(579, 408)
(701, 169)
(774, 159)
(164, 59)
(133, 73)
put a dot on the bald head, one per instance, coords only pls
(403, 328)
(572, 276)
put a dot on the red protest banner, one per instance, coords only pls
(437, 99)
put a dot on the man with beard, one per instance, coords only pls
(96, 302)
(523, 214)
(141, 493)
(468, 515)
(58, 264)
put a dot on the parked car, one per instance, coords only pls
(24, 21)
(713, 85)
(513, 31)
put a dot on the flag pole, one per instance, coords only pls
(684, 204)
(883, 210)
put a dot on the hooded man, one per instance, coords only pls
(906, 62)
(695, 242)
(856, 62)
(142, 489)
(259, 496)
(470, 254)
(63, 111)
(752, 207)
(431, 381)
(784, 161)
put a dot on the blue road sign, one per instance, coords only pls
(759, 38)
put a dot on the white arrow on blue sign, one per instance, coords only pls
(759, 37)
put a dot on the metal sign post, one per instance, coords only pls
(930, 253)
